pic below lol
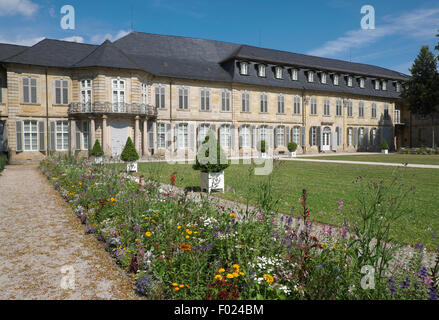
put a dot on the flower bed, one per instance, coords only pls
(422, 150)
(181, 248)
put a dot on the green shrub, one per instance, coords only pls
(292, 146)
(97, 150)
(384, 145)
(207, 162)
(3, 162)
(129, 153)
(262, 146)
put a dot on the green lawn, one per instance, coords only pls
(393, 158)
(326, 183)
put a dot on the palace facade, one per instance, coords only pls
(166, 92)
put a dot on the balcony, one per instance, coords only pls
(113, 108)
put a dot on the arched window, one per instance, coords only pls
(280, 136)
(244, 136)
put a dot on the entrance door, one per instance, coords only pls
(119, 136)
(326, 142)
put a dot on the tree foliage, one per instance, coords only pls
(97, 150)
(129, 153)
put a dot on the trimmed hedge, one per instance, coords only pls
(129, 153)
(97, 150)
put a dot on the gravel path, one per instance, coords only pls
(45, 253)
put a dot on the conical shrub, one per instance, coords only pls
(129, 153)
(97, 150)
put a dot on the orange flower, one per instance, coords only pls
(185, 247)
(176, 288)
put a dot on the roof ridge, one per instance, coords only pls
(27, 48)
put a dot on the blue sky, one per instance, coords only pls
(328, 28)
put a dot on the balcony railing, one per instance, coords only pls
(108, 107)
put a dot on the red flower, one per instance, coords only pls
(173, 180)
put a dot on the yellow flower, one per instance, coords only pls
(188, 231)
(179, 227)
(232, 215)
(235, 274)
(181, 285)
(230, 276)
(335, 244)
(268, 278)
(187, 237)
(221, 270)
(236, 267)
(195, 232)
(175, 284)
(148, 234)
(218, 277)
(176, 288)
(242, 273)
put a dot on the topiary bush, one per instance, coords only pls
(207, 162)
(292, 146)
(384, 145)
(97, 150)
(129, 153)
(262, 146)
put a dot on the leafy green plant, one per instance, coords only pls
(97, 150)
(262, 146)
(384, 145)
(129, 153)
(3, 161)
(211, 157)
(292, 146)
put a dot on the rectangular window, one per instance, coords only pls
(61, 92)
(85, 135)
(384, 85)
(377, 85)
(86, 95)
(361, 109)
(144, 93)
(386, 112)
(244, 68)
(397, 116)
(245, 102)
(262, 133)
(280, 104)
(339, 108)
(313, 106)
(205, 100)
(225, 100)
(30, 135)
(29, 90)
(350, 108)
(62, 135)
(323, 77)
(398, 87)
(310, 76)
(225, 136)
(295, 74)
(349, 136)
(349, 81)
(374, 110)
(264, 104)
(279, 73)
(182, 137)
(362, 83)
(160, 97)
(119, 96)
(280, 136)
(296, 107)
(261, 70)
(161, 135)
(244, 137)
(326, 108)
(183, 100)
(202, 132)
(336, 79)
(296, 135)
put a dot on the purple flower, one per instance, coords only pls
(392, 288)
(433, 295)
(422, 273)
(420, 246)
(340, 204)
(405, 284)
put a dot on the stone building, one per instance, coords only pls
(166, 92)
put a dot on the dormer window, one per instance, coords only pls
(294, 74)
(336, 78)
(377, 85)
(261, 70)
(398, 87)
(362, 83)
(310, 76)
(384, 85)
(323, 77)
(349, 81)
(244, 68)
(278, 72)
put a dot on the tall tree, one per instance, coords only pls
(422, 91)
(437, 47)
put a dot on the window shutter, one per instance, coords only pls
(240, 136)
(319, 136)
(355, 136)
(168, 136)
(19, 134)
(303, 136)
(77, 135)
(4, 136)
(287, 135)
(253, 136)
(191, 136)
(366, 136)
(276, 130)
(334, 141)
(150, 133)
(340, 139)
(270, 137)
(65, 91)
(175, 136)
(213, 128)
(52, 136)
(41, 135)
(232, 135)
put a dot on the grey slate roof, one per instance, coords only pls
(200, 59)
(9, 50)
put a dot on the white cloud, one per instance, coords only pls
(99, 38)
(22, 41)
(419, 24)
(21, 7)
(74, 39)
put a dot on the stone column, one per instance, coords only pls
(92, 132)
(104, 135)
(137, 135)
(72, 124)
(145, 137)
